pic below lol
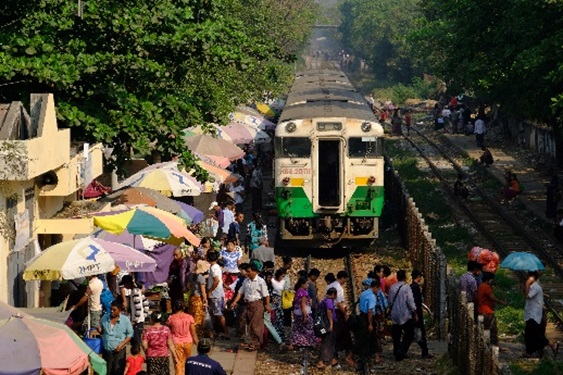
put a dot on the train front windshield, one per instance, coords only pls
(365, 147)
(293, 147)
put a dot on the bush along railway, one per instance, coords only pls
(497, 227)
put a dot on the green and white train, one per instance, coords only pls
(329, 164)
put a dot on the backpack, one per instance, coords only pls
(321, 324)
(106, 298)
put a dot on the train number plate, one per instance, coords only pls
(292, 170)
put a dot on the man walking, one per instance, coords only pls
(468, 283)
(367, 343)
(487, 301)
(254, 292)
(403, 316)
(116, 331)
(417, 279)
(201, 364)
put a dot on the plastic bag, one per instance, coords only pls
(418, 334)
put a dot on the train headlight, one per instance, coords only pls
(286, 181)
(366, 127)
(290, 127)
(371, 180)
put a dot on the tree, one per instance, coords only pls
(507, 52)
(377, 31)
(133, 74)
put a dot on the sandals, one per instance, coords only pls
(251, 348)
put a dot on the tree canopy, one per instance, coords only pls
(506, 52)
(133, 74)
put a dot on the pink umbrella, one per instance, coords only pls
(238, 133)
(219, 161)
(32, 346)
(207, 145)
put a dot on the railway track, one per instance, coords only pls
(498, 227)
(355, 265)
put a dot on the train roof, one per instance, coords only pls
(324, 93)
(327, 109)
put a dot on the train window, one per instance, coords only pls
(290, 147)
(364, 147)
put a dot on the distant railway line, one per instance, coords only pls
(496, 226)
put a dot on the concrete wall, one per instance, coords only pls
(22, 163)
(532, 136)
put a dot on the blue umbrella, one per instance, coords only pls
(522, 261)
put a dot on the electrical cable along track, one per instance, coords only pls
(494, 223)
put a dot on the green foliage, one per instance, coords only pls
(133, 74)
(377, 30)
(543, 367)
(507, 52)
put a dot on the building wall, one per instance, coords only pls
(21, 189)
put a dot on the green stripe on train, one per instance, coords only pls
(367, 201)
(293, 202)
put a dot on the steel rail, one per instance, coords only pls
(498, 209)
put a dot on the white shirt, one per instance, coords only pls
(94, 298)
(228, 218)
(339, 292)
(254, 290)
(534, 303)
(278, 286)
(479, 127)
(237, 190)
(215, 271)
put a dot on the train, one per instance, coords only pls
(329, 164)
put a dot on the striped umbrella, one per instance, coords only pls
(149, 222)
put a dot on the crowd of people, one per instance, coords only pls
(479, 290)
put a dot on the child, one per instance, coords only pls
(134, 361)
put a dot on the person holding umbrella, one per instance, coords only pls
(534, 332)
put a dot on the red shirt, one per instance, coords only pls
(484, 299)
(135, 364)
(157, 339)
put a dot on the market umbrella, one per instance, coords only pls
(126, 257)
(34, 346)
(69, 260)
(168, 181)
(266, 110)
(147, 221)
(237, 132)
(153, 198)
(219, 161)
(219, 175)
(522, 261)
(207, 145)
(250, 117)
(135, 241)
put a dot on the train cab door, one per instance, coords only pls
(328, 180)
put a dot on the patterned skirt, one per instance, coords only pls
(158, 365)
(195, 309)
(228, 279)
(278, 315)
(302, 331)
